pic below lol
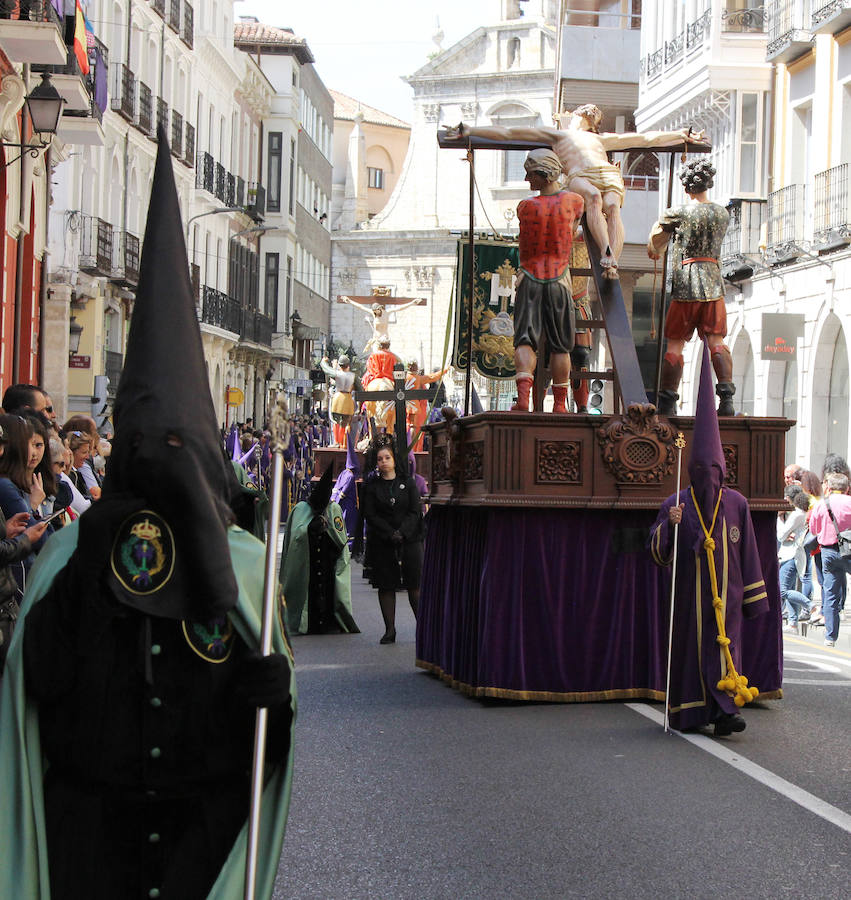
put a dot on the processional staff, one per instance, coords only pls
(278, 441)
(680, 445)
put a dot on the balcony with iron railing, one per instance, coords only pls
(256, 206)
(205, 178)
(786, 219)
(220, 311)
(145, 116)
(221, 182)
(158, 6)
(125, 259)
(123, 91)
(230, 190)
(95, 246)
(740, 249)
(32, 32)
(189, 146)
(789, 30)
(176, 134)
(831, 18)
(256, 327)
(113, 364)
(832, 226)
(174, 17)
(162, 114)
(187, 29)
(738, 20)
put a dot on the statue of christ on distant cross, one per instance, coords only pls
(377, 318)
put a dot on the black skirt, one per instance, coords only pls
(393, 566)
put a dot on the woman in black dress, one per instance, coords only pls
(394, 536)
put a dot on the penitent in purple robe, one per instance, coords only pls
(346, 487)
(697, 663)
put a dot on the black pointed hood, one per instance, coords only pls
(320, 493)
(167, 447)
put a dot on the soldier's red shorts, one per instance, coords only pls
(684, 316)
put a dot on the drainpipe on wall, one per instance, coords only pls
(42, 288)
(19, 250)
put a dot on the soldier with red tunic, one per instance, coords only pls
(543, 301)
(380, 364)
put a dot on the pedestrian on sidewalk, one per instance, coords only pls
(791, 533)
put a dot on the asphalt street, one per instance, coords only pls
(404, 788)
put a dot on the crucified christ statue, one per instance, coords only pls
(378, 319)
(582, 151)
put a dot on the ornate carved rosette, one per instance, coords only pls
(731, 461)
(439, 468)
(558, 462)
(474, 454)
(638, 447)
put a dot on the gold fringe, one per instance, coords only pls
(554, 696)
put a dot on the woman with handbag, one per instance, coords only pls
(394, 534)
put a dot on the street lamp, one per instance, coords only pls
(44, 105)
(75, 332)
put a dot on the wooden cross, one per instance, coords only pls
(399, 395)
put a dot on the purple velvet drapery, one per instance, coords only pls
(563, 604)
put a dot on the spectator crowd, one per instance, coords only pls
(811, 546)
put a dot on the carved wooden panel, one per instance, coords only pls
(439, 469)
(558, 462)
(474, 455)
(508, 470)
(731, 461)
(638, 447)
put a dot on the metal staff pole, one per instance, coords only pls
(471, 159)
(278, 440)
(663, 294)
(680, 445)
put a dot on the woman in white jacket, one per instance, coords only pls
(791, 533)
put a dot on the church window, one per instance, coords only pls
(375, 178)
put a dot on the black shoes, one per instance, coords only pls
(726, 724)
(389, 637)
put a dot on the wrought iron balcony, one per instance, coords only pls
(220, 182)
(123, 91)
(736, 20)
(189, 146)
(789, 34)
(256, 207)
(95, 246)
(698, 30)
(162, 114)
(187, 30)
(145, 118)
(786, 222)
(205, 172)
(221, 311)
(832, 212)
(831, 18)
(113, 364)
(23, 43)
(125, 259)
(256, 327)
(176, 134)
(174, 16)
(743, 232)
(230, 189)
(158, 6)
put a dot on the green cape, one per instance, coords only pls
(295, 568)
(23, 842)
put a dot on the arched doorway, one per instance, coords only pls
(743, 374)
(837, 400)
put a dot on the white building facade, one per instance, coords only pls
(772, 87)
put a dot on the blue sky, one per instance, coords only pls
(362, 47)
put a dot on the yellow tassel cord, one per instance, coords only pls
(734, 684)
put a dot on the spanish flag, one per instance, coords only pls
(80, 48)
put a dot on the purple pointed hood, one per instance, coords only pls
(706, 466)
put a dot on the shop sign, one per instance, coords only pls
(780, 333)
(79, 362)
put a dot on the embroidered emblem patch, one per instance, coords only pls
(212, 640)
(735, 534)
(338, 523)
(143, 553)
